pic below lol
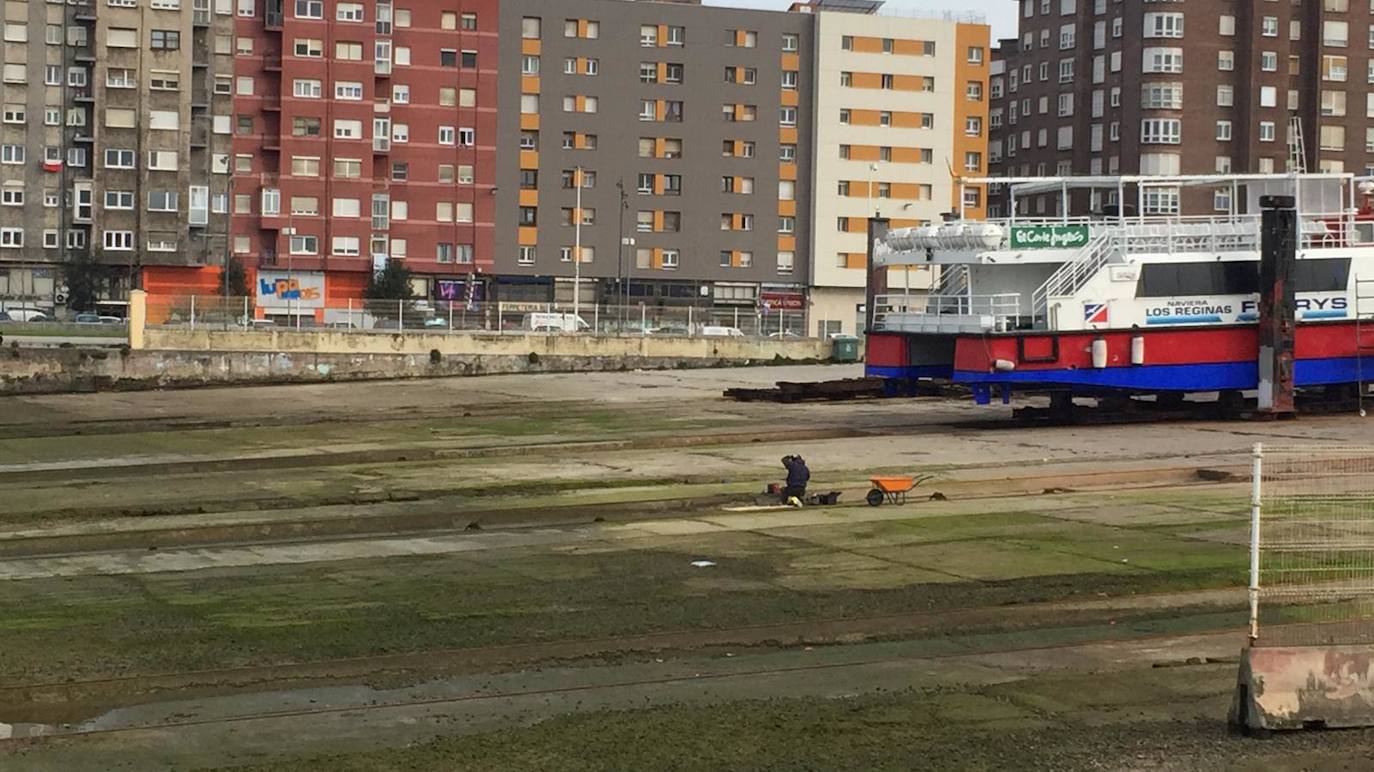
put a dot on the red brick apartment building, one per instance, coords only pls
(363, 131)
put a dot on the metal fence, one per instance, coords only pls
(416, 316)
(1312, 545)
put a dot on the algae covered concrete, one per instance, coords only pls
(508, 573)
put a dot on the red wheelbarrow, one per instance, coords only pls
(893, 490)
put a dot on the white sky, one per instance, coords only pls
(1001, 14)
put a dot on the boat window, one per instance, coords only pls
(1331, 275)
(1160, 280)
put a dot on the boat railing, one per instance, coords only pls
(1200, 233)
(947, 313)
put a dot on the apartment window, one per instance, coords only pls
(305, 127)
(348, 168)
(162, 201)
(787, 153)
(973, 126)
(1167, 60)
(1333, 104)
(304, 245)
(1168, 25)
(1332, 137)
(119, 241)
(1334, 68)
(119, 199)
(165, 40)
(525, 256)
(1226, 96)
(1224, 131)
(303, 166)
(1161, 131)
(348, 90)
(1162, 96)
(162, 161)
(1266, 131)
(306, 89)
(348, 51)
(1335, 33)
(788, 116)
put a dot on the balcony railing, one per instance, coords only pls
(947, 313)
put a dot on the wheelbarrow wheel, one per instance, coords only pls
(874, 498)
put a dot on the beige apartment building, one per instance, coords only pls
(901, 112)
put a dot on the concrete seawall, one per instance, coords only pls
(189, 359)
(486, 344)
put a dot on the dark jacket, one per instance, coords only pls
(797, 473)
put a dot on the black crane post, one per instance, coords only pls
(1277, 305)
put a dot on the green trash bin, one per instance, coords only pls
(844, 348)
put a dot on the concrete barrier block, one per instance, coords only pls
(1298, 687)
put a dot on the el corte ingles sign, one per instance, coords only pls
(1048, 236)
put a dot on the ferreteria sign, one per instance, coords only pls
(1048, 236)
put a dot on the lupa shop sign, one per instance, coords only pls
(1048, 236)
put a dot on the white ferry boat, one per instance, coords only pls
(1123, 303)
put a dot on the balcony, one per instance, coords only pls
(272, 62)
(272, 20)
(84, 56)
(382, 68)
(82, 94)
(381, 144)
(271, 105)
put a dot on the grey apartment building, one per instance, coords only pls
(1215, 86)
(115, 141)
(687, 128)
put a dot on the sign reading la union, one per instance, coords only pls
(1048, 236)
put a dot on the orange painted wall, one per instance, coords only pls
(967, 35)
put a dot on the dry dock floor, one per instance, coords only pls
(571, 572)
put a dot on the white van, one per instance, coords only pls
(722, 332)
(554, 323)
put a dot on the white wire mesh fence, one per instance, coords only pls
(1312, 545)
(415, 316)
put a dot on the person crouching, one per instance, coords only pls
(798, 475)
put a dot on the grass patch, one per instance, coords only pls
(84, 627)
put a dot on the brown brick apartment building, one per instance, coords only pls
(1134, 87)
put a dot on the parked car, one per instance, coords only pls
(784, 334)
(722, 332)
(27, 315)
(5, 317)
(673, 329)
(97, 319)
